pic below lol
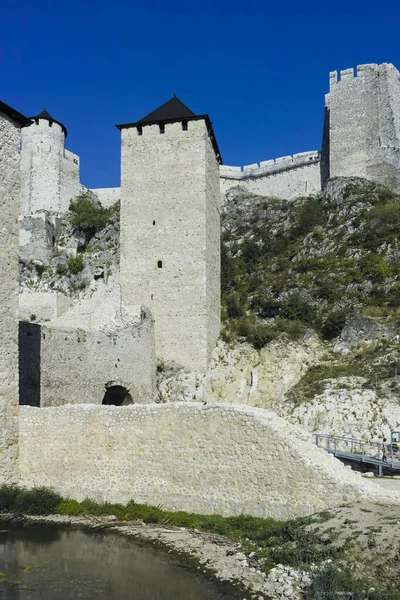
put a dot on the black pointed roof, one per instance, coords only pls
(172, 109)
(170, 112)
(46, 115)
(13, 114)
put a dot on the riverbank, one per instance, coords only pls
(260, 559)
(218, 557)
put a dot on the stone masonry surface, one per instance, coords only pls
(49, 172)
(76, 364)
(202, 458)
(363, 112)
(170, 237)
(9, 199)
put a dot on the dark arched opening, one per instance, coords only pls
(117, 395)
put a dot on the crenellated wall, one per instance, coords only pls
(285, 177)
(214, 459)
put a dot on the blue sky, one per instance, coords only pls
(260, 69)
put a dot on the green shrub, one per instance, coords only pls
(61, 270)
(260, 336)
(8, 495)
(40, 269)
(244, 327)
(75, 264)
(374, 267)
(227, 270)
(296, 307)
(310, 215)
(87, 216)
(251, 251)
(38, 501)
(334, 324)
(327, 290)
(383, 224)
(268, 308)
(233, 308)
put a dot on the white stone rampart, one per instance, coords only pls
(170, 236)
(285, 177)
(363, 124)
(107, 196)
(207, 459)
(9, 201)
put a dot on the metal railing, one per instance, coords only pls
(360, 451)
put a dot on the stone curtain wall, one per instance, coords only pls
(166, 220)
(287, 177)
(207, 459)
(76, 364)
(9, 201)
(363, 111)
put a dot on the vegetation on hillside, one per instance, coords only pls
(309, 263)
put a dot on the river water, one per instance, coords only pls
(51, 563)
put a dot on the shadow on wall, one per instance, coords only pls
(29, 344)
(117, 395)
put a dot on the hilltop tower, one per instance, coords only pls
(170, 229)
(49, 180)
(362, 124)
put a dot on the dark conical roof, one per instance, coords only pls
(46, 115)
(170, 110)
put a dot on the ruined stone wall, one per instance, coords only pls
(286, 177)
(363, 112)
(9, 200)
(75, 364)
(169, 230)
(207, 459)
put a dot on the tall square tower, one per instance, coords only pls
(362, 124)
(170, 229)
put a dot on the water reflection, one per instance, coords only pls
(49, 563)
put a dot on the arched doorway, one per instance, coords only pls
(117, 395)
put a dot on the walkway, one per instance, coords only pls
(358, 451)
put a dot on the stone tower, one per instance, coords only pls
(362, 124)
(42, 149)
(10, 124)
(170, 229)
(49, 181)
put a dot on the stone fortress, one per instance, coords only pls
(164, 305)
